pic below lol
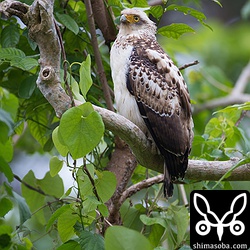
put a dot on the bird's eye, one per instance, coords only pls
(136, 19)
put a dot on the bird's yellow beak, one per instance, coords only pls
(127, 18)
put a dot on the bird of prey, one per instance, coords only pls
(150, 91)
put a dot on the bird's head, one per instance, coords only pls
(134, 20)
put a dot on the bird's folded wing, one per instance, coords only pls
(163, 100)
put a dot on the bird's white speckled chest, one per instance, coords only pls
(125, 103)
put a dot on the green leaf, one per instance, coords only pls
(68, 22)
(189, 11)
(55, 165)
(9, 102)
(11, 54)
(180, 219)
(4, 133)
(215, 127)
(156, 234)
(138, 3)
(56, 214)
(85, 76)
(69, 245)
(90, 204)
(103, 210)
(122, 238)
(52, 186)
(61, 148)
(235, 108)
(24, 211)
(17, 58)
(65, 224)
(67, 193)
(6, 150)
(105, 185)
(81, 129)
(155, 220)
(34, 199)
(25, 64)
(37, 124)
(74, 86)
(84, 183)
(5, 239)
(27, 87)
(5, 206)
(157, 11)
(131, 215)
(6, 170)
(175, 30)
(6, 118)
(5, 229)
(91, 241)
(10, 36)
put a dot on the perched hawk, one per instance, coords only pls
(151, 92)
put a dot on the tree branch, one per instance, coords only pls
(40, 22)
(38, 190)
(189, 65)
(148, 157)
(100, 69)
(104, 21)
(14, 8)
(139, 186)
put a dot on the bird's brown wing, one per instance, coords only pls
(163, 100)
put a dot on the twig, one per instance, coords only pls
(108, 223)
(139, 186)
(188, 65)
(92, 181)
(38, 190)
(98, 58)
(104, 21)
(243, 114)
(64, 65)
(122, 164)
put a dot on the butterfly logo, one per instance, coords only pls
(203, 227)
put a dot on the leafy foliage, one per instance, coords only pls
(80, 130)
(118, 237)
(76, 218)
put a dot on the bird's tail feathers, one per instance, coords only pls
(176, 165)
(168, 186)
(174, 168)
